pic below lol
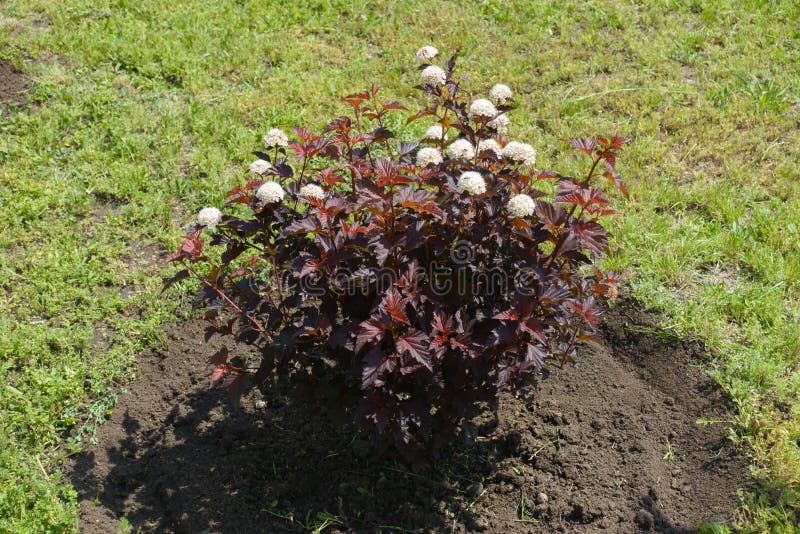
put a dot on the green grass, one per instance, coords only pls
(143, 111)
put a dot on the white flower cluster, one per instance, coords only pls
(426, 52)
(461, 149)
(471, 182)
(209, 217)
(275, 137)
(500, 93)
(270, 192)
(434, 75)
(490, 144)
(500, 123)
(434, 132)
(482, 109)
(312, 191)
(429, 156)
(259, 166)
(521, 206)
(521, 153)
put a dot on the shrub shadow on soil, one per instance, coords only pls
(613, 444)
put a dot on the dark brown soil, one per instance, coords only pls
(13, 84)
(614, 444)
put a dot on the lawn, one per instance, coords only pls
(141, 112)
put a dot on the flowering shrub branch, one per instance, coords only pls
(428, 276)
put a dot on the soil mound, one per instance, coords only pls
(13, 84)
(614, 444)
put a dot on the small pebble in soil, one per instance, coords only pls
(481, 524)
(542, 498)
(468, 435)
(505, 487)
(474, 489)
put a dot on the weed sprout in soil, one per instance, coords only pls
(420, 278)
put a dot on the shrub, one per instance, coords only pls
(421, 278)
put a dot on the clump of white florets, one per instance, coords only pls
(209, 217)
(434, 132)
(471, 182)
(434, 75)
(426, 52)
(482, 108)
(500, 93)
(521, 153)
(312, 191)
(500, 123)
(461, 148)
(429, 156)
(521, 206)
(275, 137)
(490, 144)
(270, 192)
(259, 166)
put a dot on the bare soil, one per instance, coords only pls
(612, 445)
(13, 84)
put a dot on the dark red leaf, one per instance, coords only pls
(394, 303)
(236, 384)
(534, 327)
(464, 343)
(508, 315)
(309, 225)
(610, 156)
(172, 256)
(376, 364)
(590, 235)
(379, 135)
(302, 133)
(238, 273)
(553, 217)
(306, 264)
(570, 193)
(369, 331)
(616, 142)
(410, 281)
(544, 175)
(614, 178)
(584, 145)
(422, 113)
(350, 231)
(218, 365)
(442, 323)
(363, 95)
(588, 311)
(536, 356)
(237, 194)
(393, 104)
(342, 124)
(415, 343)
